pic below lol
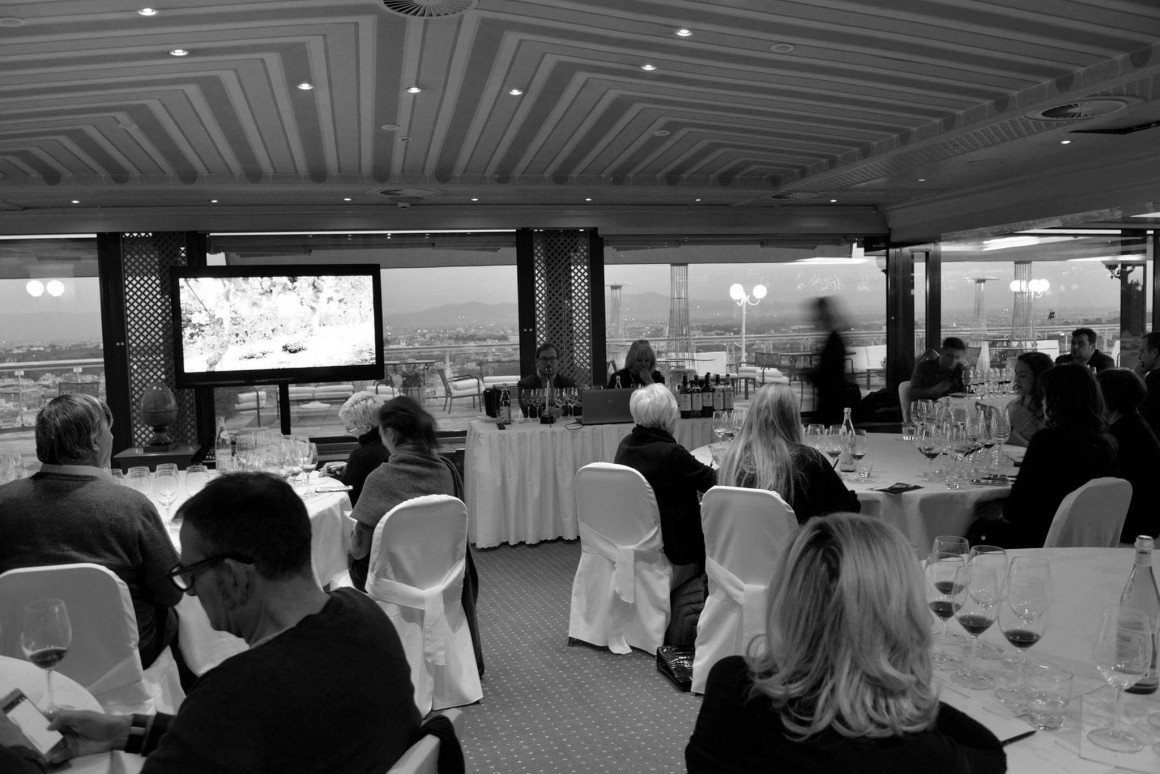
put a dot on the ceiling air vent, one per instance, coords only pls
(429, 9)
(795, 195)
(407, 195)
(1080, 110)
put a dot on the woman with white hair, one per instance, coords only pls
(360, 416)
(768, 453)
(842, 679)
(640, 366)
(674, 474)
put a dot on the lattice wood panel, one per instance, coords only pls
(563, 306)
(147, 259)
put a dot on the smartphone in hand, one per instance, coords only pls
(25, 715)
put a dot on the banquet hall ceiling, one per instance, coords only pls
(917, 115)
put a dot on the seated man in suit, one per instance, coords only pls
(546, 376)
(932, 379)
(72, 511)
(1084, 352)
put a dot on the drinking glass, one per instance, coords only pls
(1000, 431)
(46, 638)
(976, 598)
(196, 477)
(951, 544)
(814, 436)
(140, 479)
(118, 476)
(1048, 692)
(738, 421)
(722, 424)
(991, 556)
(942, 570)
(834, 442)
(1023, 615)
(1123, 653)
(928, 441)
(861, 444)
(165, 485)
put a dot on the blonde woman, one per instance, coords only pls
(360, 417)
(768, 453)
(842, 680)
(640, 367)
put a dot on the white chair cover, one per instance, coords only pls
(416, 575)
(103, 657)
(745, 530)
(620, 595)
(1091, 516)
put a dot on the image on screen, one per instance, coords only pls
(276, 322)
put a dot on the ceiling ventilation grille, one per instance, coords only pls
(1081, 110)
(796, 195)
(408, 195)
(429, 9)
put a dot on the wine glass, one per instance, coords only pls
(928, 441)
(941, 571)
(738, 422)
(991, 556)
(722, 424)
(140, 479)
(814, 436)
(833, 442)
(1023, 614)
(307, 458)
(196, 477)
(976, 597)
(46, 638)
(1000, 431)
(951, 544)
(165, 485)
(861, 445)
(1123, 653)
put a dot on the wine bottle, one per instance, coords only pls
(706, 397)
(846, 462)
(695, 403)
(684, 399)
(718, 396)
(727, 404)
(504, 414)
(1141, 593)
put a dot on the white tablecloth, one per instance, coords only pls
(921, 514)
(202, 646)
(15, 673)
(519, 480)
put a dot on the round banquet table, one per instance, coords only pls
(923, 513)
(202, 646)
(16, 673)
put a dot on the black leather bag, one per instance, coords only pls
(686, 603)
(677, 665)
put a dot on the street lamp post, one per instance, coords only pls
(744, 300)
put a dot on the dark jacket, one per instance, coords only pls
(368, 455)
(629, 379)
(1098, 360)
(1150, 408)
(676, 477)
(820, 490)
(830, 381)
(736, 732)
(1058, 461)
(1138, 458)
(534, 382)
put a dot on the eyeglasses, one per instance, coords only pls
(549, 359)
(183, 577)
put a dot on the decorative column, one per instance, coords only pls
(1021, 324)
(680, 342)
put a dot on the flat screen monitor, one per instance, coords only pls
(272, 324)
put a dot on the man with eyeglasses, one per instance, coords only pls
(546, 376)
(324, 686)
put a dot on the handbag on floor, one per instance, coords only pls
(677, 665)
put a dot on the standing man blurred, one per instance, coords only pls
(932, 379)
(1084, 352)
(1149, 368)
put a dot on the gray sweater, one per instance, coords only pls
(63, 518)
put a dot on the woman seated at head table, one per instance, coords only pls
(842, 679)
(413, 470)
(1026, 411)
(1074, 448)
(674, 474)
(1138, 452)
(360, 416)
(768, 453)
(639, 367)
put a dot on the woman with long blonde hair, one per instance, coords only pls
(842, 680)
(768, 453)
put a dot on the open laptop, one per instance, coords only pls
(606, 407)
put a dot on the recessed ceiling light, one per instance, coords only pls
(661, 133)
(390, 127)
(413, 90)
(587, 200)
(213, 201)
(648, 67)
(404, 139)
(11, 21)
(833, 201)
(306, 86)
(781, 48)
(516, 92)
(76, 201)
(148, 11)
(684, 33)
(474, 199)
(179, 52)
(696, 200)
(1065, 142)
(346, 198)
(922, 180)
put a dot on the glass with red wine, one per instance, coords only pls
(976, 597)
(1023, 614)
(942, 572)
(46, 638)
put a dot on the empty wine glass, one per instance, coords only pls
(814, 436)
(196, 477)
(738, 421)
(307, 458)
(1001, 432)
(165, 485)
(951, 544)
(976, 598)
(942, 570)
(46, 638)
(1123, 654)
(993, 557)
(722, 424)
(139, 478)
(1023, 614)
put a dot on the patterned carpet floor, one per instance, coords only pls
(548, 707)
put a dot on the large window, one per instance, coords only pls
(50, 331)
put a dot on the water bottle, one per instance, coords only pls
(504, 409)
(1141, 593)
(846, 462)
